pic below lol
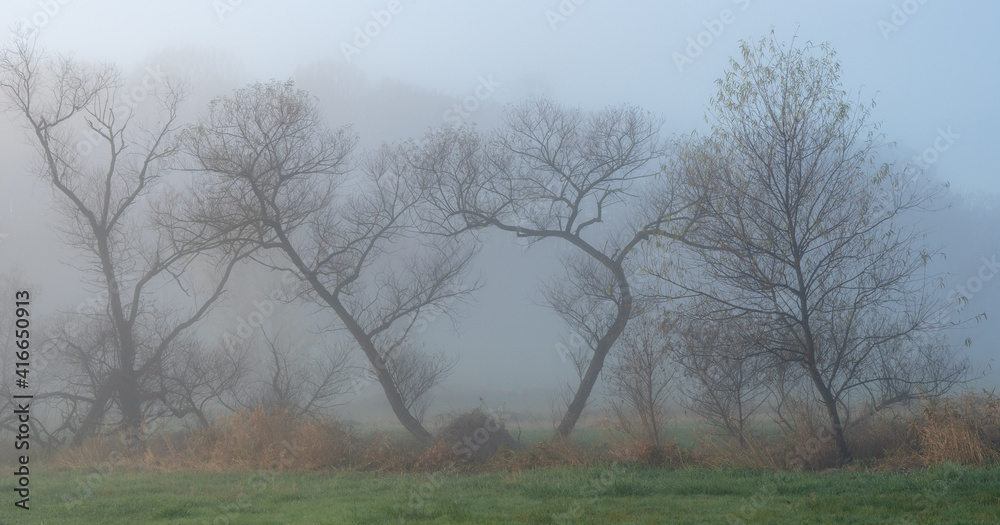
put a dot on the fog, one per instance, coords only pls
(395, 69)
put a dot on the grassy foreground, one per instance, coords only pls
(946, 494)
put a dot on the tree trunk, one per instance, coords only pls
(95, 415)
(579, 402)
(124, 381)
(131, 406)
(831, 409)
(392, 394)
(364, 340)
(412, 425)
(409, 422)
(829, 401)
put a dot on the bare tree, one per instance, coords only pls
(585, 298)
(641, 378)
(197, 381)
(104, 198)
(279, 178)
(556, 173)
(796, 235)
(301, 384)
(416, 372)
(726, 374)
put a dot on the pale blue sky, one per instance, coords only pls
(938, 68)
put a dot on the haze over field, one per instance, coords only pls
(396, 69)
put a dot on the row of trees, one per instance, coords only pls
(764, 249)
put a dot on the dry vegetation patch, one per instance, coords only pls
(963, 430)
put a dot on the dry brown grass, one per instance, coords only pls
(547, 454)
(715, 451)
(651, 453)
(246, 441)
(962, 430)
(965, 430)
(91, 452)
(437, 457)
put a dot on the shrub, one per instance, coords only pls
(476, 435)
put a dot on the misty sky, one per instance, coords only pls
(936, 69)
(932, 67)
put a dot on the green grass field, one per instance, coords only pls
(947, 494)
